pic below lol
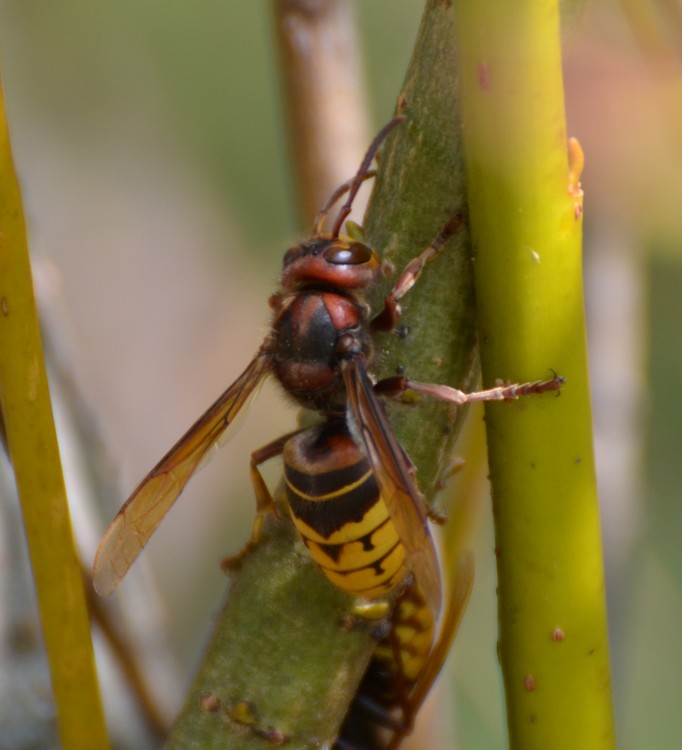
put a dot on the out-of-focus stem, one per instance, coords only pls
(323, 96)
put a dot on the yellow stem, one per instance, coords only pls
(33, 449)
(525, 210)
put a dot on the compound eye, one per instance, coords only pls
(348, 254)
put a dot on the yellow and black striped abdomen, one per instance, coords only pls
(335, 504)
(382, 713)
(408, 645)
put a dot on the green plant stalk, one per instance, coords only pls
(283, 662)
(525, 212)
(34, 452)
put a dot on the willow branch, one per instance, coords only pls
(526, 208)
(323, 96)
(34, 452)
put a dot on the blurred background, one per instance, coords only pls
(152, 151)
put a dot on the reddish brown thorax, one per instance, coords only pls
(320, 318)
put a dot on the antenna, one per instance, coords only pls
(352, 186)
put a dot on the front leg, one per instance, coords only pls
(399, 384)
(388, 318)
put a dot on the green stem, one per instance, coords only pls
(525, 211)
(34, 453)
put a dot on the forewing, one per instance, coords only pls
(152, 499)
(394, 477)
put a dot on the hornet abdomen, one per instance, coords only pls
(335, 504)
